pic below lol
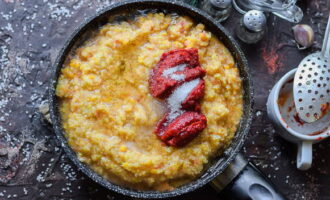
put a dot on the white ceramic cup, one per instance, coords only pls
(284, 118)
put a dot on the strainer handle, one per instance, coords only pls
(326, 41)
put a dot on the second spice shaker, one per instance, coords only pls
(251, 28)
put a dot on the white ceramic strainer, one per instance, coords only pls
(312, 83)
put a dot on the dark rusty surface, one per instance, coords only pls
(32, 165)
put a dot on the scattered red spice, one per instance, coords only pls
(291, 108)
(271, 58)
(324, 109)
(282, 99)
(318, 132)
(298, 120)
(290, 81)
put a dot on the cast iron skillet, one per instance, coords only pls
(219, 164)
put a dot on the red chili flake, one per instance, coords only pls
(298, 120)
(282, 99)
(318, 132)
(290, 81)
(324, 108)
(271, 58)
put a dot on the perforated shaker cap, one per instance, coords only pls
(254, 20)
(220, 3)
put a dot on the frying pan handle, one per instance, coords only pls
(249, 184)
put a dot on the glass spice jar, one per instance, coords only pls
(218, 9)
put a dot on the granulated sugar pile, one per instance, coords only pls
(178, 96)
(170, 72)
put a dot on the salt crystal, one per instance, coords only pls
(258, 113)
(25, 191)
(9, 28)
(40, 177)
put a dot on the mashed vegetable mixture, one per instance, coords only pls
(109, 115)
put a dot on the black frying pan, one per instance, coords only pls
(242, 179)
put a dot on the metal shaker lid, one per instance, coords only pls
(220, 3)
(254, 20)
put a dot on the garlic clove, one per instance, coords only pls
(304, 35)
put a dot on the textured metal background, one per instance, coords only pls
(32, 166)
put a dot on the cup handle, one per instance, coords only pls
(305, 155)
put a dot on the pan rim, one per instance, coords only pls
(204, 178)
